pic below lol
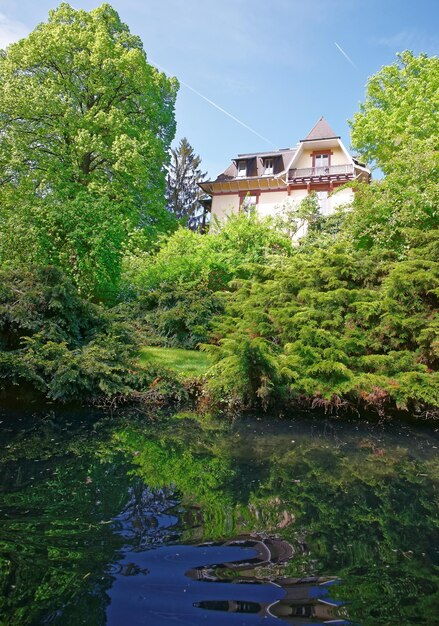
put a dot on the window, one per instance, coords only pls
(242, 169)
(322, 199)
(302, 611)
(247, 202)
(321, 160)
(268, 167)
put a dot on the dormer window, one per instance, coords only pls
(322, 160)
(268, 166)
(242, 169)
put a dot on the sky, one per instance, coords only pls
(258, 74)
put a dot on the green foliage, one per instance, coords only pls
(393, 213)
(402, 104)
(296, 217)
(175, 288)
(44, 302)
(176, 314)
(66, 348)
(215, 258)
(334, 326)
(83, 236)
(70, 350)
(86, 127)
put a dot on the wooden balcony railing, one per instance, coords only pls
(333, 172)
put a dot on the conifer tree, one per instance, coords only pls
(183, 194)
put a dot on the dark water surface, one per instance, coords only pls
(119, 520)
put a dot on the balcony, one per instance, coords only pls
(333, 172)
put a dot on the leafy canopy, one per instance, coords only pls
(86, 127)
(402, 105)
(389, 214)
(174, 288)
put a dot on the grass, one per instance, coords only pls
(185, 362)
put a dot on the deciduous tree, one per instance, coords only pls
(402, 105)
(85, 121)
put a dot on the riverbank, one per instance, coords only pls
(169, 392)
(155, 378)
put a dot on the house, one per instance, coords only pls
(275, 180)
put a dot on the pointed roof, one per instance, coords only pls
(321, 130)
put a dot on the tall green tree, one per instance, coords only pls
(401, 106)
(86, 124)
(183, 194)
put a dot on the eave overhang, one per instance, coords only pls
(321, 144)
(239, 185)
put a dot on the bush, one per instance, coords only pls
(333, 327)
(173, 291)
(65, 347)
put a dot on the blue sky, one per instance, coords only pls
(276, 65)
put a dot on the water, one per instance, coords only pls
(122, 520)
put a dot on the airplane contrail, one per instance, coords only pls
(235, 119)
(345, 55)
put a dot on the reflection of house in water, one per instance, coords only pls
(268, 550)
(160, 581)
(306, 600)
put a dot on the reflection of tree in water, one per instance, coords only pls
(364, 505)
(56, 540)
(359, 508)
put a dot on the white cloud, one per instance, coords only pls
(402, 39)
(409, 40)
(11, 31)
